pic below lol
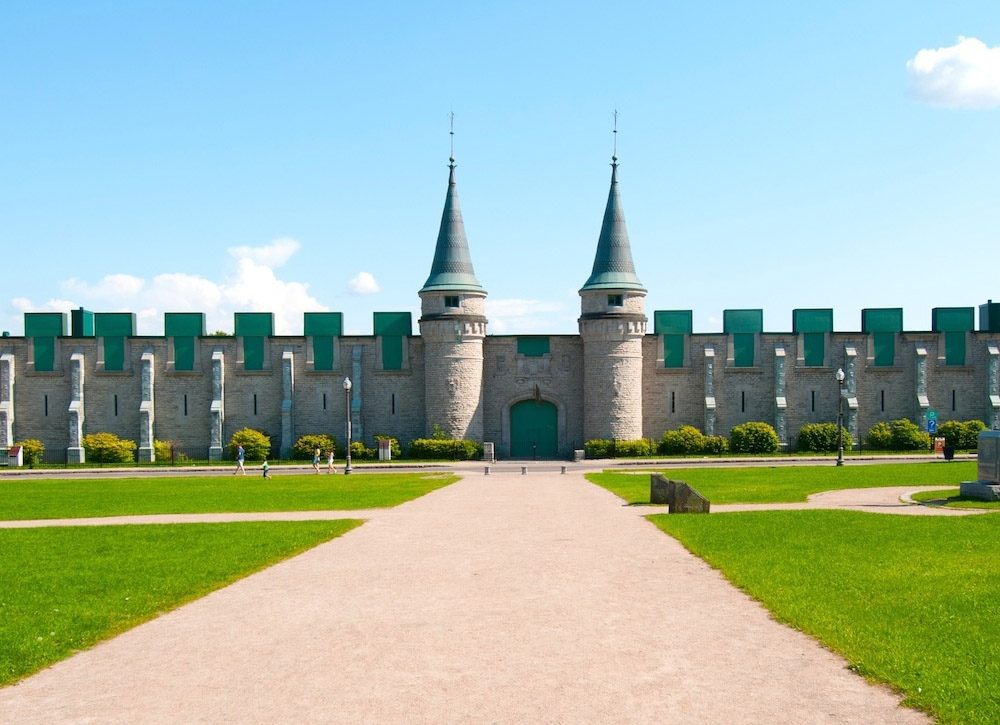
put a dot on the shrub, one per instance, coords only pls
(753, 437)
(822, 437)
(715, 445)
(108, 448)
(361, 452)
(879, 437)
(302, 449)
(907, 436)
(970, 434)
(256, 445)
(685, 441)
(32, 451)
(600, 448)
(452, 450)
(394, 448)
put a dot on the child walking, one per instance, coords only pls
(329, 462)
(264, 469)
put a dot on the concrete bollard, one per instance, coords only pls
(563, 469)
(524, 470)
(487, 471)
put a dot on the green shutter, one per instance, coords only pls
(114, 353)
(392, 352)
(392, 323)
(45, 353)
(670, 321)
(323, 324)
(885, 348)
(253, 352)
(253, 324)
(813, 343)
(742, 321)
(183, 352)
(673, 350)
(532, 346)
(322, 352)
(954, 348)
(743, 349)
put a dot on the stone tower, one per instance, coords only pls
(453, 325)
(612, 325)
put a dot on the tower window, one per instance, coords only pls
(451, 301)
(615, 301)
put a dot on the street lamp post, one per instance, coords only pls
(347, 459)
(840, 416)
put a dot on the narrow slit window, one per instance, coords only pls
(324, 401)
(116, 406)
(883, 401)
(46, 405)
(953, 400)
(185, 404)
(743, 401)
(673, 401)
(255, 403)
(394, 404)
(812, 404)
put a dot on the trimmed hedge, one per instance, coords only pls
(446, 449)
(753, 437)
(900, 435)
(600, 448)
(961, 435)
(685, 441)
(108, 448)
(822, 438)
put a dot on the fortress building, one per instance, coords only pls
(532, 396)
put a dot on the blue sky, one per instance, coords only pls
(240, 156)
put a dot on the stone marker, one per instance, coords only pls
(987, 488)
(679, 496)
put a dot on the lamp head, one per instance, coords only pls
(840, 375)
(347, 383)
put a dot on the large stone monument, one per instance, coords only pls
(987, 488)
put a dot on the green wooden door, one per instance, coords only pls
(533, 430)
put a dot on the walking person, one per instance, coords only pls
(264, 469)
(329, 462)
(316, 460)
(240, 456)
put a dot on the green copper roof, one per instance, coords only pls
(452, 266)
(613, 268)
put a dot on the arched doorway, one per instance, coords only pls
(534, 426)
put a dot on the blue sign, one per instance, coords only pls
(932, 425)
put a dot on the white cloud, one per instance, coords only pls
(363, 283)
(964, 75)
(522, 316)
(252, 287)
(274, 254)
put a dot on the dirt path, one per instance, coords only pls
(502, 599)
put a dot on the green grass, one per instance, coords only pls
(912, 601)
(950, 497)
(29, 498)
(64, 589)
(786, 484)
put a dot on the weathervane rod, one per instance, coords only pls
(614, 152)
(452, 134)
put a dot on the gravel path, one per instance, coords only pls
(501, 599)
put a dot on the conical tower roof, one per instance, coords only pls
(452, 266)
(613, 267)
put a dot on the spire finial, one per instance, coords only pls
(451, 158)
(614, 153)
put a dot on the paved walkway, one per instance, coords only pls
(501, 599)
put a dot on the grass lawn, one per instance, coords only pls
(28, 498)
(950, 497)
(912, 601)
(64, 589)
(787, 484)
